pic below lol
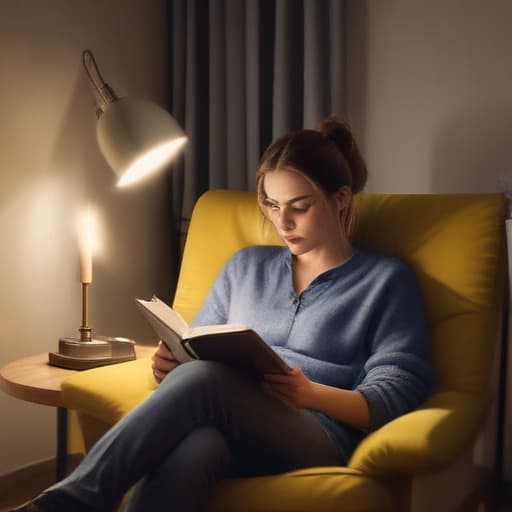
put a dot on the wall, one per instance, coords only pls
(50, 168)
(428, 91)
(429, 96)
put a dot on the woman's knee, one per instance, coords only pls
(208, 391)
(202, 373)
(204, 451)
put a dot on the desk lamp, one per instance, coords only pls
(137, 138)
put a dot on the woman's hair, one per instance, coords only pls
(327, 157)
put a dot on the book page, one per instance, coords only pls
(172, 318)
(168, 324)
(213, 329)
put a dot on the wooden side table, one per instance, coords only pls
(32, 379)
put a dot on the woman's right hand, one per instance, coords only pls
(163, 362)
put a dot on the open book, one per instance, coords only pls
(233, 344)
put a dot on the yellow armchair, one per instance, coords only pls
(435, 458)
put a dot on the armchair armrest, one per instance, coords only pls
(107, 393)
(424, 439)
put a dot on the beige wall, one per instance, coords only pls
(50, 167)
(429, 93)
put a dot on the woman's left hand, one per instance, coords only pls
(293, 389)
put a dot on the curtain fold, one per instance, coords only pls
(288, 104)
(317, 72)
(218, 119)
(244, 72)
(252, 87)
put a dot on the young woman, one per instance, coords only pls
(349, 322)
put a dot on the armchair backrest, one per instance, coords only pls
(455, 244)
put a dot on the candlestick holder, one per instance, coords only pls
(87, 351)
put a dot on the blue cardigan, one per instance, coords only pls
(358, 326)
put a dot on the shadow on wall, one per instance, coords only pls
(75, 151)
(473, 152)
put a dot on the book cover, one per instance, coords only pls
(232, 344)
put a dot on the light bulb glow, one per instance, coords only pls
(151, 161)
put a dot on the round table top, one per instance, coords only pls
(34, 380)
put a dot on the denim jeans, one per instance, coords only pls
(206, 421)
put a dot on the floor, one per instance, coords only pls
(24, 491)
(26, 485)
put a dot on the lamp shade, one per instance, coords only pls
(137, 137)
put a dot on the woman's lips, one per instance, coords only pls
(293, 239)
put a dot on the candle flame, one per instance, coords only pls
(88, 230)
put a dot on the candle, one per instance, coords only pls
(86, 244)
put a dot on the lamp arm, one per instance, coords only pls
(104, 90)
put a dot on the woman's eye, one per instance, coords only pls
(301, 208)
(272, 206)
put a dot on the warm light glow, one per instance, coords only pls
(151, 161)
(86, 245)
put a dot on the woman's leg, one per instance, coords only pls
(184, 479)
(194, 395)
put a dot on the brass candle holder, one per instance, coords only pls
(87, 352)
(84, 330)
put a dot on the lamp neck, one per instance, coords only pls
(103, 90)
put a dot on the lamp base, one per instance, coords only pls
(100, 351)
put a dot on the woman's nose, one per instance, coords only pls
(285, 221)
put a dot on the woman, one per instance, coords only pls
(349, 322)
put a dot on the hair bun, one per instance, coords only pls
(337, 130)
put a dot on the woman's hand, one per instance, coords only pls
(293, 389)
(297, 391)
(163, 362)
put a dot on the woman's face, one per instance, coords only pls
(303, 216)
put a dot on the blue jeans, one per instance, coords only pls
(205, 421)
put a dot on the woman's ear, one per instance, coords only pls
(343, 197)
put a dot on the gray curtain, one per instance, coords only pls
(244, 72)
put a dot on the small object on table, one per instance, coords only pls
(88, 352)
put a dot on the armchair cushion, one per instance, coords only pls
(108, 393)
(330, 489)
